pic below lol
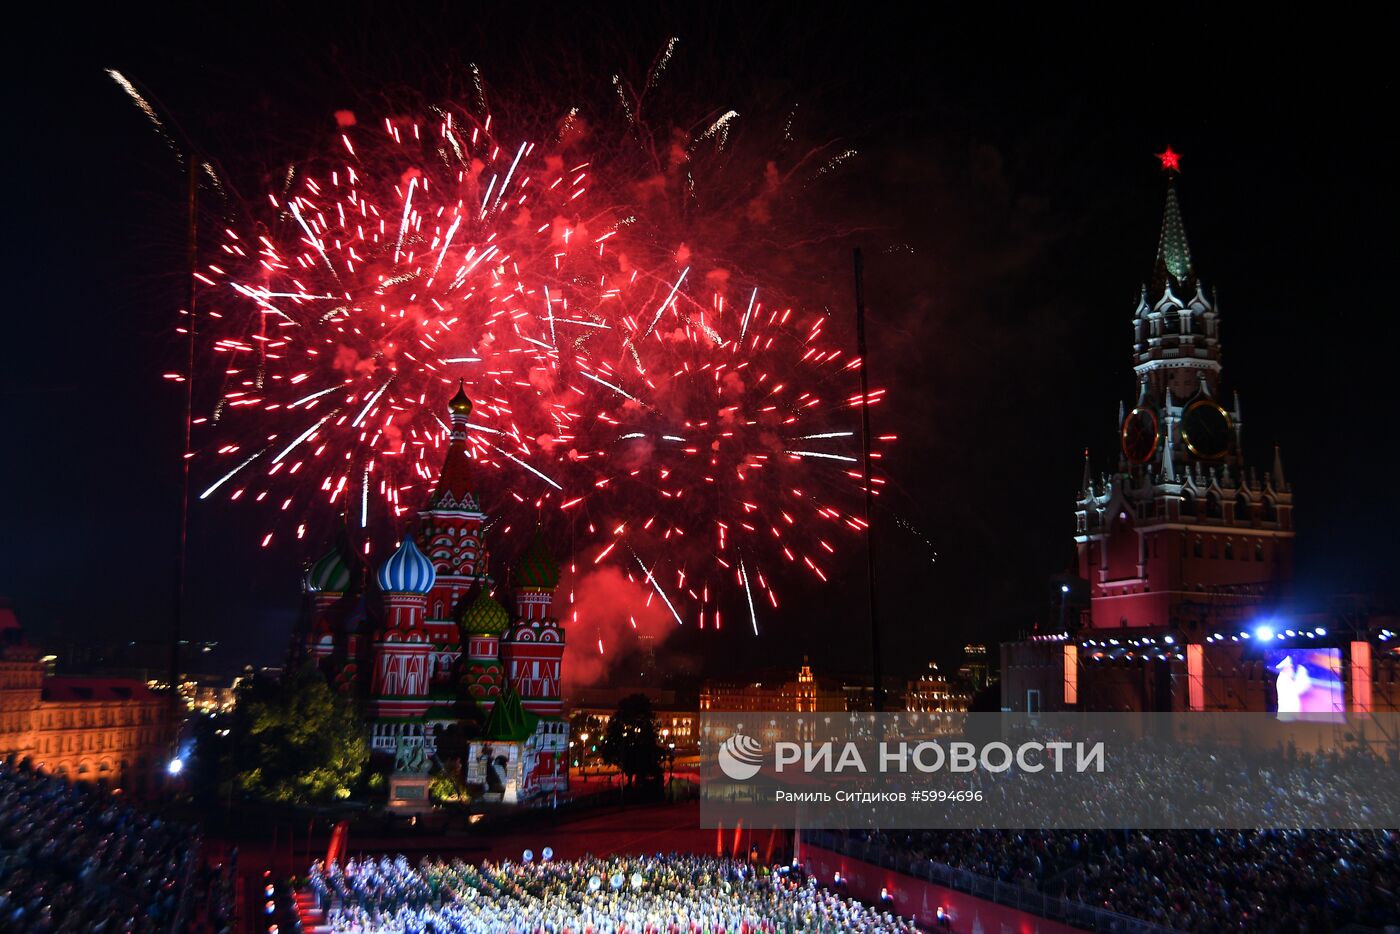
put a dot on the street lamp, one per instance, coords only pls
(670, 757)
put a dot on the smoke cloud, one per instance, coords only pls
(616, 611)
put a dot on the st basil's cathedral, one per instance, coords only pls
(429, 636)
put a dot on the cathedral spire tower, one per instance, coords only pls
(450, 533)
(454, 486)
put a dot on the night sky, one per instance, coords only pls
(1005, 194)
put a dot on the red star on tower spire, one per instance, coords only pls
(1171, 160)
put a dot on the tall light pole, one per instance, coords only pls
(875, 665)
(194, 162)
(181, 560)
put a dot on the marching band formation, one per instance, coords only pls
(657, 894)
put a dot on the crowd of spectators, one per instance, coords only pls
(1221, 880)
(74, 857)
(615, 895)
(1306, 880)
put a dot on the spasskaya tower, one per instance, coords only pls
(1184, 532)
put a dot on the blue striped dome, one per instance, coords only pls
(407, 570)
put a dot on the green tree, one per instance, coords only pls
(296, 739)
(630, 742)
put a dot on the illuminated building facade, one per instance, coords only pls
(975, 670)
(932, 693)
(803, 694)
(112, 729)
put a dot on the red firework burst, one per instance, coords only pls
(636, 383)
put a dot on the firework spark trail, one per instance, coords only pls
(823, 455)
(230, 475)
(744, 328)
(137, 98)
(261, 297)
(364, 498)
(504, 453)
(145, 107)
(303, 436)
(549, 311)
(447, 242)
(407, 213)
(659, 591)
(615, 388)
(315, 395)
(533, 273)
(748, 594)
(511, 172)
(370, 404)
(662, 61)
(661, 310)
(311, 238)
(624, 102)
(719, 130)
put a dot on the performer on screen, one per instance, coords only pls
(1293, 682)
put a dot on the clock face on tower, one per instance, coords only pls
(1205, 427)
(1140, 435)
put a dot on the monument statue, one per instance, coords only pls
(411, 758)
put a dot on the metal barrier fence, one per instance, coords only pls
(1019, 897)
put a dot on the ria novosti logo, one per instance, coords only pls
(740, 757)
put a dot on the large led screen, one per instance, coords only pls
(1305, 681)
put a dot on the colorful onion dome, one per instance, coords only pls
(330, 573)
(537, 569)
(407, 571)
(460, 404)
(484, 616)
